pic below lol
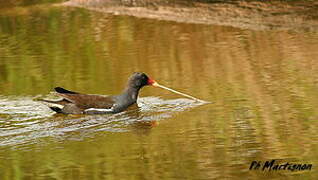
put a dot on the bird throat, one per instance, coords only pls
(132, 93)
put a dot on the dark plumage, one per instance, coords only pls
(78, 103)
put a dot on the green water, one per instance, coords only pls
(263, 85)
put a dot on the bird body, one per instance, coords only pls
(78, 103)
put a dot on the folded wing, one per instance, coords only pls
(85, 101)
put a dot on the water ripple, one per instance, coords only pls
(23, 121)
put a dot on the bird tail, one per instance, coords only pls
(64, 91)
(56, 109)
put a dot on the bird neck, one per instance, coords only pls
(131, 93)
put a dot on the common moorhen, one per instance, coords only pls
(78, 103)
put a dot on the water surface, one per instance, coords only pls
(263, 84)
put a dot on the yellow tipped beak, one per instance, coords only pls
(155, 84)
(152, 82)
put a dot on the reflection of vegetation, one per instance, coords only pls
(263, 83)
(15, 3)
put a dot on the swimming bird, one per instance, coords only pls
(79, 103)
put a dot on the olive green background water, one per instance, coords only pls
(263, 85)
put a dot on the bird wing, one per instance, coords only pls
(85, 101)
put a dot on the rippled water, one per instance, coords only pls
(263, 85)
(24, 120)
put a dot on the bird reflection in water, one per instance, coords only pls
(132, 120)
(141, 124)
